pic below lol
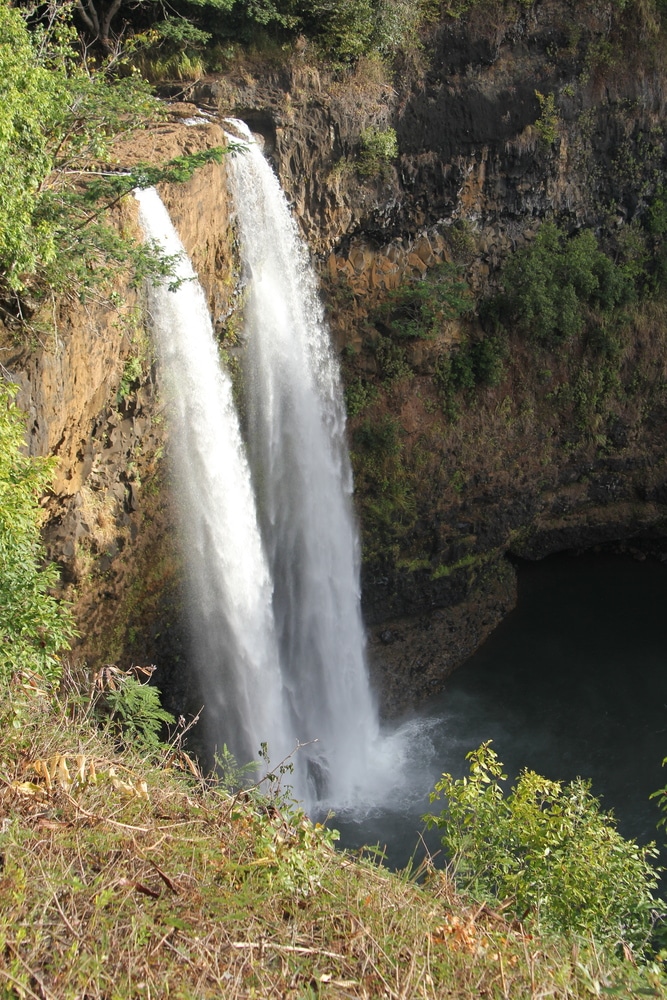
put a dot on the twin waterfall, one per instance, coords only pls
(271, 544)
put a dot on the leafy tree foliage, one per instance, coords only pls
(548, 852)
(58, 118)
(345, 29)
(551, 284)
(55, 117)
(100, 18)
(419, 309)
(34, 627)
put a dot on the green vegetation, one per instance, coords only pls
(59, 120)
(132, 372)
(419, 309)
(359, 394)
(472, 364)
(391, 360)
(547, 125)
(34, 628)
(556, 282)
(378, 148)
(646, 12)
(55, 119)
(174, 49)
(128, 874)
(196, 34)
(131, 707)
(384, 482)
(548, 854)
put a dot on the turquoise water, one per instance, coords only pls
(573, 682)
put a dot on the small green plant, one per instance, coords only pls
(134, 710)
(378, 147)
(548, 124)
(231, 775)
(132, 372)
(547, 852)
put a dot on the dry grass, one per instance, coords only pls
(126, 878)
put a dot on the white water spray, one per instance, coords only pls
(272, 553)
(229, 585)
(298, 456)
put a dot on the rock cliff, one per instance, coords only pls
(514, 115)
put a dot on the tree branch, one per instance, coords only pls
(86, 18)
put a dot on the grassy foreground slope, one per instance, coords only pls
(122, 876)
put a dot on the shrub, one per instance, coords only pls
(34, 627)
(471, 364)
(552, 283)
(378, 148)
(132, 372)
(420, 308)
(358, 395)
(548, 124)
(547, 852)
(391, 360)
(174, 49)
(379, 438)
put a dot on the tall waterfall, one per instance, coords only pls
(302, 476)
(229, 585)
(271, 543)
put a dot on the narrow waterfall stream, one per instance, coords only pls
(298, 456)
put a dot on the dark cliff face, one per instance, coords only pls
(464, 109)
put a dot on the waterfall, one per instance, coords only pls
(272, 552)
(303, 482)
(228, 588)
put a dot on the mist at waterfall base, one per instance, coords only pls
(572, 683)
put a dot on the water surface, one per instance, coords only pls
(572, 683)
